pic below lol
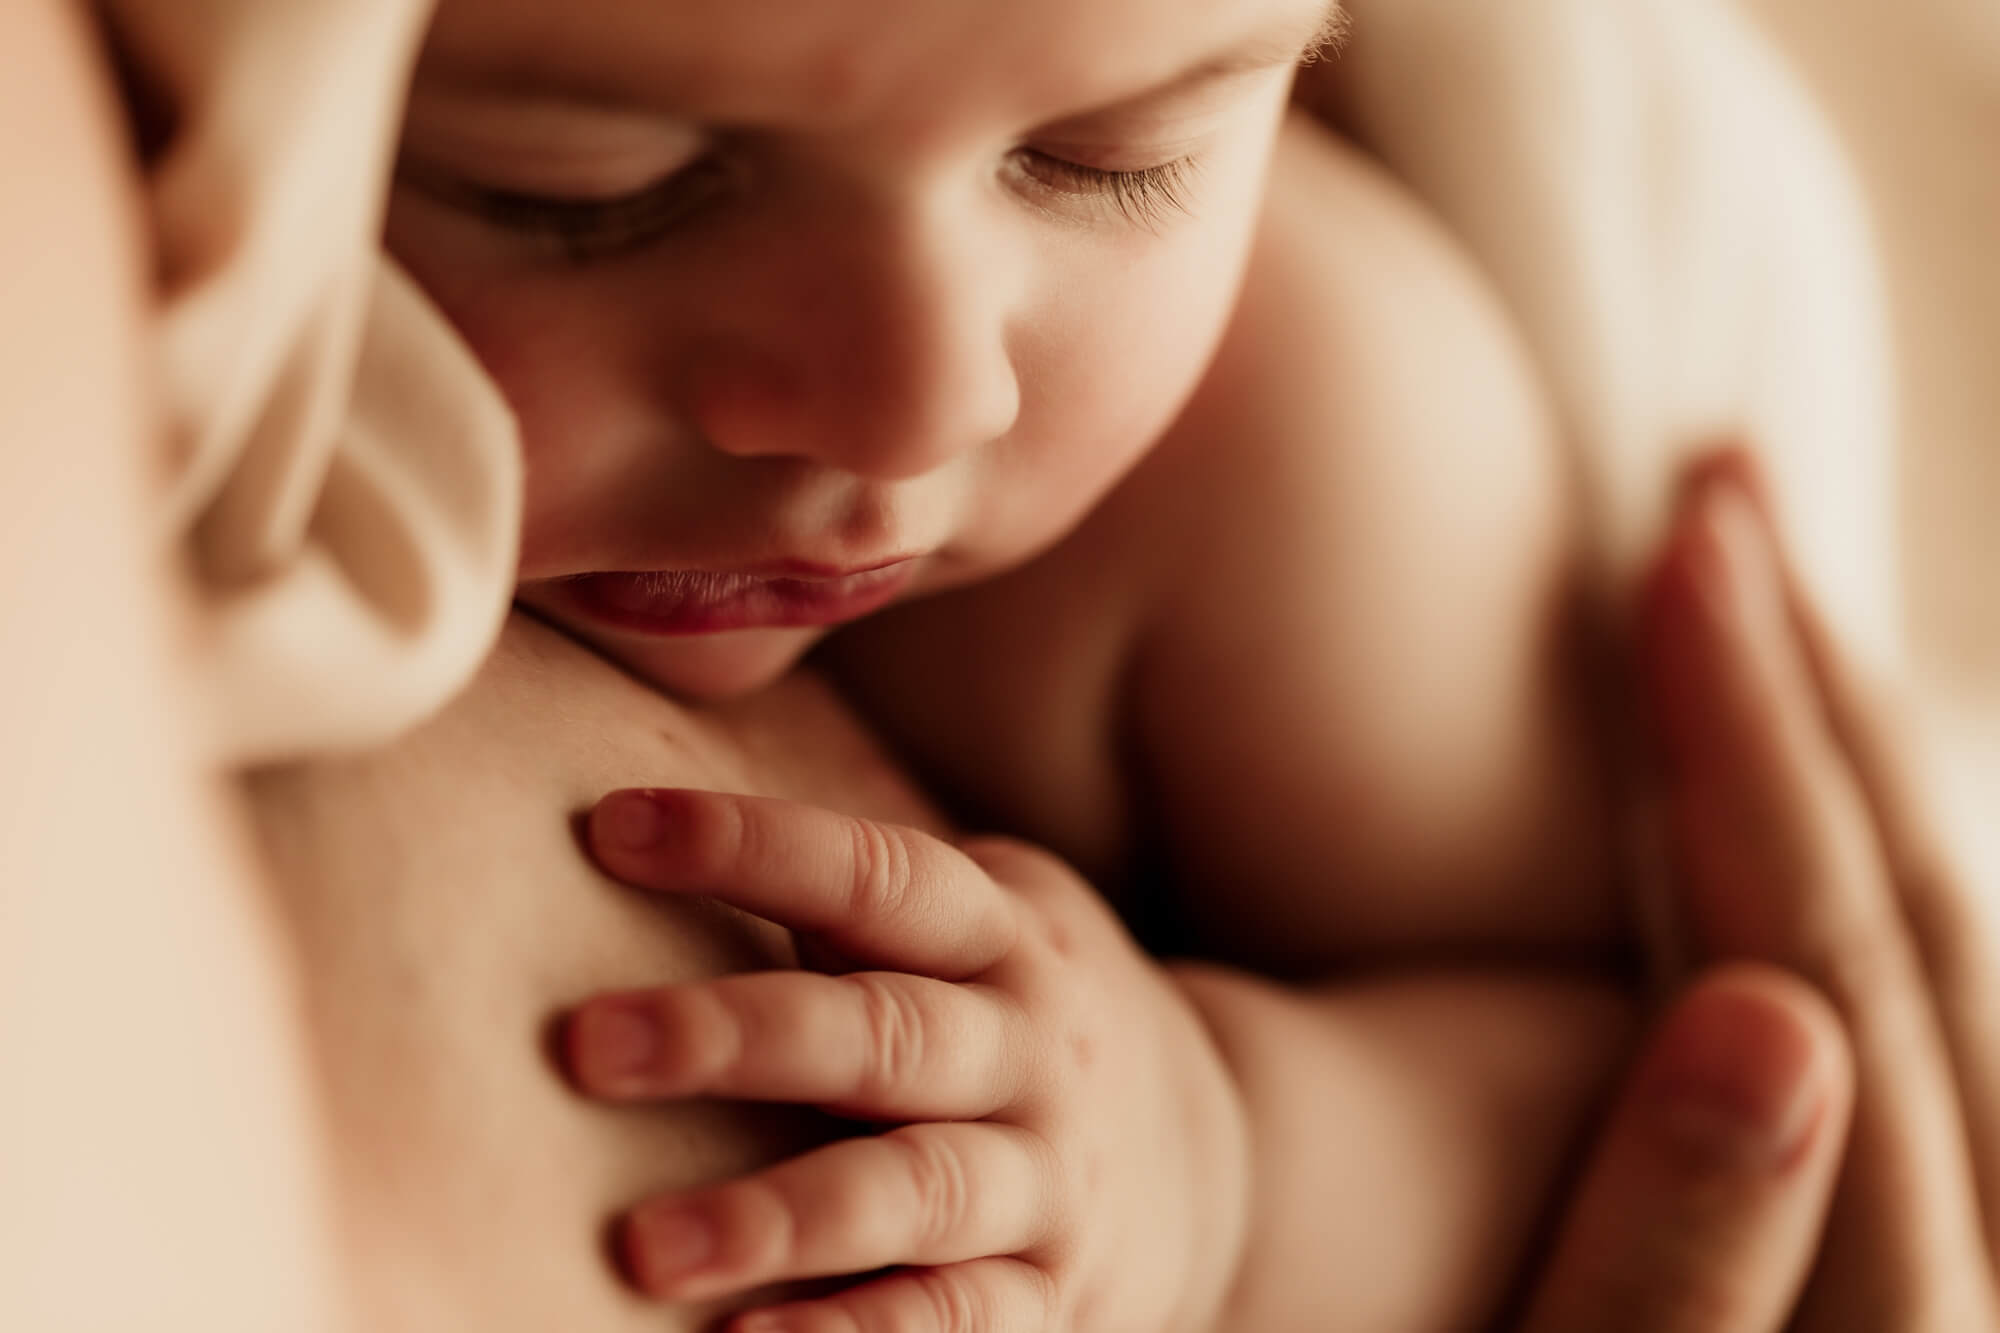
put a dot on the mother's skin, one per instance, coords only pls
(167, 1150)
(159, 1151)
(445, 915)
(156, 1133)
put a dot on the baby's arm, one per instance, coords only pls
(1323, 655)
(1330, 622)
(1082, 1140)
(1366, 708)
(1358, 690)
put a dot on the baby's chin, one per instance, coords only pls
(703, 668)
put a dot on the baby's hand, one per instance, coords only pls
(1071, 1150)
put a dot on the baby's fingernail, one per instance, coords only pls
(629, 821)
(614, 1041)
(764, 1321)
(1740, 1087)
(664, 1244)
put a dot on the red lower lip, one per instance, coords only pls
(697, 602)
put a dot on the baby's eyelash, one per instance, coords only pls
(583, 229)
(1146, 196)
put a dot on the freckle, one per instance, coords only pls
(1083, 1050)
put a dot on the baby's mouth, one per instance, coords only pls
(690, 602)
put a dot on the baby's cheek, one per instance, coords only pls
(562, 393)
(1127, 365)
(520, 329)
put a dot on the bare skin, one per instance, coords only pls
(1090, 700)
(1672, 1265)
(436, 893)
(808, 379)
(430, 998)
(138, 949)
(1291, 616)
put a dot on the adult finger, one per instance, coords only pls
(873, 1045)
(925, 1194)
(1780, 860)
(1702, 1209)
(1950, 923)
(989, 1295)
(881, 894)
(1956, 937)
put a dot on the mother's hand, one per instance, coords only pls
(1804, 843)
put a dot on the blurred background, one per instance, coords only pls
(1915, 89)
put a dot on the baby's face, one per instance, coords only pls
(809, 305)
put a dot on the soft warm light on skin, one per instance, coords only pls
(890, 324)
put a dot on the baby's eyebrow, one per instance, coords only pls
(526, 76)
(1261, 53)
(1334, 25)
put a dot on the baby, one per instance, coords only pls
(1167, 487)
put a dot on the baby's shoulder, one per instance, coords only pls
(1367, 348)
(1330, 602)
(1368, 618)
(1373, 452)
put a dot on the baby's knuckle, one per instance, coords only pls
(880, 861)
(1058, 1200)
(893, 1033)
(767, 1219)
(937, 1178)
(1051, 1086)
(954, 1305)
(1035, 1295)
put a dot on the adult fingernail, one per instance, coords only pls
(613, 1041)
(630, 821)
(1738, 1084)
(1733, 563)
(666, 1243)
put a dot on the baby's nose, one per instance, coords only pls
(889, 364)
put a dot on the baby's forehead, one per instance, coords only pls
(821, 62)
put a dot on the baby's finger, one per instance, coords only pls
(986, 1295)
(1702, 1209)
(872, 1045)
(881, 894)
(925, 1194)
(1782, 862)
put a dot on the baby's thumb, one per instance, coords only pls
(1702, 1208)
